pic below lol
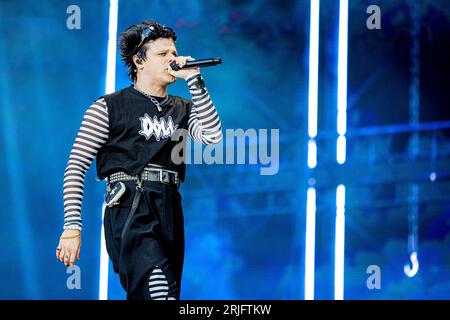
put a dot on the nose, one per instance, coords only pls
(171, 57)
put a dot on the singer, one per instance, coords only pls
(128, 133)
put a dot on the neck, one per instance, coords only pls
(150, 87)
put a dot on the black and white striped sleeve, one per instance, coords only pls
(204, 123)
(92, 135)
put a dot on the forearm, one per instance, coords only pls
(204, 123)
(92, 135)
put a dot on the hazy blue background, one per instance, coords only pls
(245, 233)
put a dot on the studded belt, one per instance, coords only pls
(157, 175)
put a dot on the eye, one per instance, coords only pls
(162, 54)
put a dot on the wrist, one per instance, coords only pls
(71, 231)
(192, 76)
(195, 82)
(65, 236)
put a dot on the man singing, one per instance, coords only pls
(129, 133)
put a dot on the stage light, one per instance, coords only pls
(312, 148)
(110, 87)
(339, 244)
(341, 145)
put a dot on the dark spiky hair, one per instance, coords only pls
(129, 41)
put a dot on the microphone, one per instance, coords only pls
(197, 63)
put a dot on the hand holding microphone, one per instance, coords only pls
(185, 67)
(197, 63)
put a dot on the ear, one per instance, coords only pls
(137, 61)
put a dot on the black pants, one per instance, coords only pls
(149, 256)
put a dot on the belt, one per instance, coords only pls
(157, 175)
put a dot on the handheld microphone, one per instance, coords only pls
(197, 63)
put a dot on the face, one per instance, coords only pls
(160, 53)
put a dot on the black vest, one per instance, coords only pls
(139, 134)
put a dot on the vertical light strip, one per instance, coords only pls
(110, 87)
(104, 263)
(342, 82)
(312, 148)
(310, 243)
(412, 267)
(313, 68)
(341, 149)
(312, 153)
(112, 43)
(341, 145)
(339, 244)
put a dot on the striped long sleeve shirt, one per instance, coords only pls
(203, 126)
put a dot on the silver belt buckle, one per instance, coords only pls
(160, 180)
(161, 177)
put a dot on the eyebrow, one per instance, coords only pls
(167, 50)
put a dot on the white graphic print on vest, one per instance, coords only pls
(158, 128)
